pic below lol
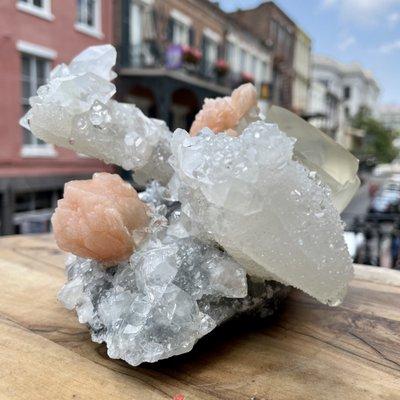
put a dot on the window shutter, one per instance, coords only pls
(203, 50)
(154, 19)
(192, 37)
(221, 51)
(170, 29)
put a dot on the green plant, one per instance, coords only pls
(378, 141)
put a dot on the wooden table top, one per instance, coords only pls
(310, 351)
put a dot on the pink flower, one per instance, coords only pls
(223, 113)
(246, 77)
(96, 218)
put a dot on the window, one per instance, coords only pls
(324, 82)
(210, 49)
(260, 72)
(35, 3)
(253, 66)
(232, 56)
(33, 211)
(35, 201)
(35, 71)
(273, 26)
(39, 8)
(347, 92)
(243, 60)
(264, 72)
(247, 63)
(180, 33)
(179, 29)
(88, 17)
(136, 24)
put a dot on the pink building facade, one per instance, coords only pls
(36, 35)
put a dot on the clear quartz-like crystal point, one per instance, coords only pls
(336, 166)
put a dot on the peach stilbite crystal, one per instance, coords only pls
(96, 218)
(223, 114)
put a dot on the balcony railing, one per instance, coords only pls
(151, 56)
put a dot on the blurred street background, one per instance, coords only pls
(333, 62)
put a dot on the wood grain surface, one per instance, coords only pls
(309, 351)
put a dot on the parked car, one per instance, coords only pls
(387, 200)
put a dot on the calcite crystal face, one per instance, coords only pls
(234, 212)
(96, 219)
(226, 114)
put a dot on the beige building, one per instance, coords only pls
(338, 92)
(302, 72)
(389, 115)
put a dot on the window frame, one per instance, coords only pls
(347, 92)
(210, 55)
(29, 7)
(180, 33)
(35, 148)
(180, 28)
(84, 27)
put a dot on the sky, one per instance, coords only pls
(364, 31)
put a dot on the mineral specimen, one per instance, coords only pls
(96, 218)
(235, 212)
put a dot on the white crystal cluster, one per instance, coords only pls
(74, 110)
(268, 211)
(163, 301)
(174, 290)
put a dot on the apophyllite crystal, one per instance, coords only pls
(233, 213)
(75, 110)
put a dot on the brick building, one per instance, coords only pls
(35, 35)
(277, 30)
(174, 53)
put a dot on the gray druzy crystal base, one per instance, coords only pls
(175, 289)
(146, 327)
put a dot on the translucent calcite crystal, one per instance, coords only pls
(268, 211)
(228, 114)
(74, 110)
(96, 218)
(336, 166)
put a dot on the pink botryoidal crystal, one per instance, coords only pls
(96, 218)
(223, 114)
